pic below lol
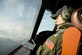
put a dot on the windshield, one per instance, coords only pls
(17, 20)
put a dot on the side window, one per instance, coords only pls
(47, 22)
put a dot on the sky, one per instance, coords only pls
(47, 22)
(17, 19)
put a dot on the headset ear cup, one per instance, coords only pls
(80, 15)
(75, 19)
(65, 13)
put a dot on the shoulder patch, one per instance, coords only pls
(49, 44)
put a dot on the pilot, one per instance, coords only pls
(53, 44)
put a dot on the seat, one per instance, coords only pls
(71, 41)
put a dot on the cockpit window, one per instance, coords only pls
(47, 23)
(17, 20)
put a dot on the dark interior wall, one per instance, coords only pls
(54, 5)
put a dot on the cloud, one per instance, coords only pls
(17, 18)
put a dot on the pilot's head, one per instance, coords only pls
(66, 14)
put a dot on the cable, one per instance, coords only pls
(56, 4)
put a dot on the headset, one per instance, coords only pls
(76, 18)
(65, 12)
